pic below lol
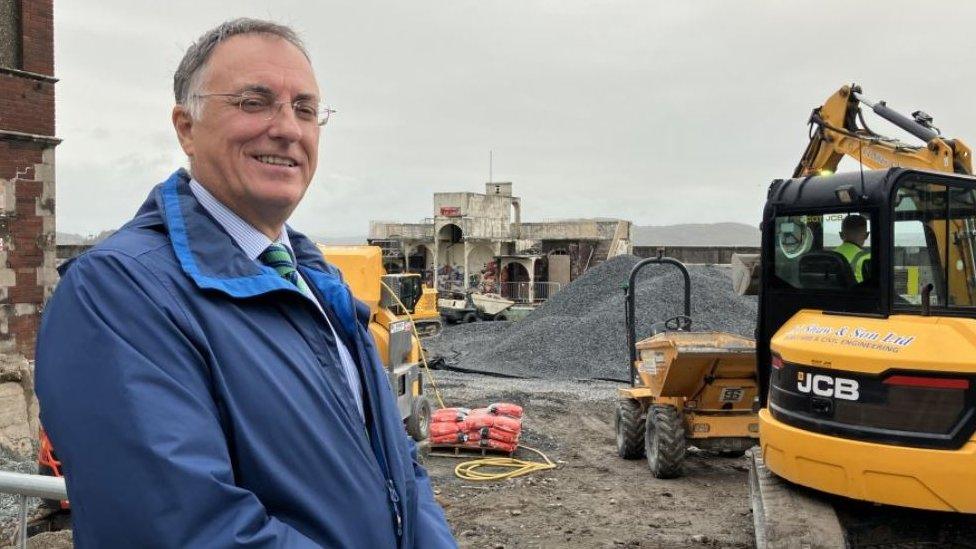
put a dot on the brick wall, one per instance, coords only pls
(37, 25)
(27, 247)
(26, 104)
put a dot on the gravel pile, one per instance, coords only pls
(580, 333)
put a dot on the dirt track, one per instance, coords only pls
(594, 498)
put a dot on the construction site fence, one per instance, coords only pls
(528, 292)
(27, 486)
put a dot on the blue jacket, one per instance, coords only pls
(195, 399)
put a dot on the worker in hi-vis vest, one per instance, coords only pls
(853, 232)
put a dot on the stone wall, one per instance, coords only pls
(379, 230)
(18, 409)
(577, 229)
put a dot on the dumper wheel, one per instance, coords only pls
(418, 424)
(664, 441)
(630, 429)
(469, 318)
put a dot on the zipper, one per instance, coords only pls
(360, 345)
(395, 501)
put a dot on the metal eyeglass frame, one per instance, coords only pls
(322, 116)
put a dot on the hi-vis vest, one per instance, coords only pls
(855, 256)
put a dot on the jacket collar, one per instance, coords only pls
(210, 257)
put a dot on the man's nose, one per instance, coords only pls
(284, 124)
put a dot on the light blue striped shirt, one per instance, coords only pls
(254, 242)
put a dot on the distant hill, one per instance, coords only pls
(76, 239)
(697, 234)
(69, 238)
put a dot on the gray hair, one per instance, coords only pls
(189, 74)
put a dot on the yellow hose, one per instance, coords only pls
(476, 469)
(501, 468)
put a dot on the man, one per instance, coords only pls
(201, 391)
(853, 233)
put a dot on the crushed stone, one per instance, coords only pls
(580, 332)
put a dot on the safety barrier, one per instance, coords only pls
(528, 292)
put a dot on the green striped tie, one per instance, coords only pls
(278, 257)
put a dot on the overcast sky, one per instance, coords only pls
(657, 112)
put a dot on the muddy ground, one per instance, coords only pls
(593, 498)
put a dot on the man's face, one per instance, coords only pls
(259, 168)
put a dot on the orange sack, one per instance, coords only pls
(451, 438)
(449, 414)
(493, 444)
(447, 428)
(493, 434)
(506, 409)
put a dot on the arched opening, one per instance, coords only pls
(450, 248)
(517, 217)
(481, 265)
(516, 272)
(450, 257)
(450, 233)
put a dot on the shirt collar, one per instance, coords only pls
(252, 241)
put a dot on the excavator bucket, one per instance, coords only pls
(745, 274)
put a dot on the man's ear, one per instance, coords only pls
(183, 124)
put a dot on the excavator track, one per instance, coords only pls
(789, 516)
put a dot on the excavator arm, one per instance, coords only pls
(837, 129)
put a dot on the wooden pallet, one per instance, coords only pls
(460, 450)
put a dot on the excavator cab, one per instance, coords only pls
(813, 251)
(868, 378)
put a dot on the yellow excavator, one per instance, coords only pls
(868, 376)
(390, 297)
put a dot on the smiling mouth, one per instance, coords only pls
(275, 160)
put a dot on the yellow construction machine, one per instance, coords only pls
(389, 297)
(838, 129)
(426, 313)
(868, 376)
(686, 389)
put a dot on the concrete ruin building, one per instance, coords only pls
(476, 240)
(27, 247)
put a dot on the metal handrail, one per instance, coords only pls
(528, 292)
(25, 486)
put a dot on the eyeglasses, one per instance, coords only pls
(306, 110)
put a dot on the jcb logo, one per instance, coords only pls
(827, 386)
